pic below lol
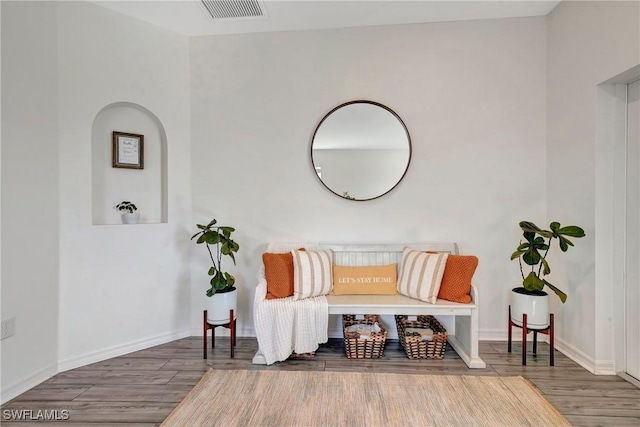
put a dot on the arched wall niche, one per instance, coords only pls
(146, 188)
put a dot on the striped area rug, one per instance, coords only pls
(277, 398)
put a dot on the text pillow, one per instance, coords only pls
(421, 274)
(369, 280)
(456, 281)
(311, 273)
(278, 270)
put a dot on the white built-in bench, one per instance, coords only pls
(464, 336)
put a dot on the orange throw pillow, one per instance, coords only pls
(278, 270)
(456, 281)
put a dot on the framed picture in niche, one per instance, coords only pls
(128, 150)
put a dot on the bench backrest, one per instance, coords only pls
(354, 255)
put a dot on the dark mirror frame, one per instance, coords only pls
(361, 101)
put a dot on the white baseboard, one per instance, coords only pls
(496, 335)
(598, 367)
(605, 367)
(27, 383)
(119, 350)
(335, 332)
(501, 335)
(629, 378)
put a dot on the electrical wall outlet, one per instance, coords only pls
(8, 328)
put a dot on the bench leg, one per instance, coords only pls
(465, 341)
(259, 359)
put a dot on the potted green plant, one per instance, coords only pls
(530, 297)
(128, 212)
(222, 291)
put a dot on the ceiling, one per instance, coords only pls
(188, 17)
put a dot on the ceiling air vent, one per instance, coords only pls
(233, 9)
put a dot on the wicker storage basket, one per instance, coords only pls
(302, 356)
(355, 345)
(414, 344)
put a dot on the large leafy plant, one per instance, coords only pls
(533, 251)
(218, 237)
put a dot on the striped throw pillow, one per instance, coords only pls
(421, 274)
(311, 273)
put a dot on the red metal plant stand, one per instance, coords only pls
(206, 326)
(546, 331)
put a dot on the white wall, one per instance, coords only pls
(122, 287)
(239, 112)
(30, 187)
(588, 43)
(472, 95)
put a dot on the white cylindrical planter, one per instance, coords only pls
(130, 218)
(218, 307)
(535, 305)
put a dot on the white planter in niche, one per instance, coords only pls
(218, 307)
(130, 218)
(535, 305)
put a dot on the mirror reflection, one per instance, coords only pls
(361, 150)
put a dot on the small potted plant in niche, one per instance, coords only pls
(128, 212)
(222, 292)
(530, 298)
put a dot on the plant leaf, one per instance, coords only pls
(538, 241)
(564, 243)
(529, 236)
(212, 237)
(545, 267)
(572, 231)
(230, 279)
(226, 231)
(561, 295)
(531, 257)
(225, 248)
(529, 227)
(532, 282)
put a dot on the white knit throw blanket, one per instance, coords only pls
(284, 326)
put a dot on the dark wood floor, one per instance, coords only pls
(142, 388)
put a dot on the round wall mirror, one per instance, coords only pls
(361, 150)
